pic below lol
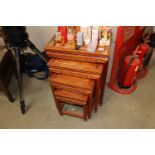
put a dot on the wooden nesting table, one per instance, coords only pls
(81, 65)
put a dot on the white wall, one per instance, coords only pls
(40, 35)
(114, 33)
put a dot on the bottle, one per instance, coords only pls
(58, 39)
(95, 33)
(79, 38)
(86, 30)
(70, 39)
(63, 30)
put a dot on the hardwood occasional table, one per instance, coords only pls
(80, 63)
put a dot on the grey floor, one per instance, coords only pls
(118, 111)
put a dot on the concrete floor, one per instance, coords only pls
(118, 111)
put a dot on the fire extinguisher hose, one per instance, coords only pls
(148, 57)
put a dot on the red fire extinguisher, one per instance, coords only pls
(130, 67)
(141, 51)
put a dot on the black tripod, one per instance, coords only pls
(17, 40)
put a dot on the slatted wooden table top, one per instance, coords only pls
(63, 51)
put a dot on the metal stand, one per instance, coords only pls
(19, 78)
(34, 49)
(17, 51)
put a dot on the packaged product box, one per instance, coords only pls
(86, 30)
(95, 33)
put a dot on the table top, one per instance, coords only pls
(82, 50)
(65, 52)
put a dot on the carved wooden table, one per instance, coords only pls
(81, 64)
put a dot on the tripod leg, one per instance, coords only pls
(33, 48)
(19, 78)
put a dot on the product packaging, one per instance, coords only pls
(86, 30)
(63, 31)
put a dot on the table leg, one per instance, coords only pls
(103, 82)
(97, 94)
